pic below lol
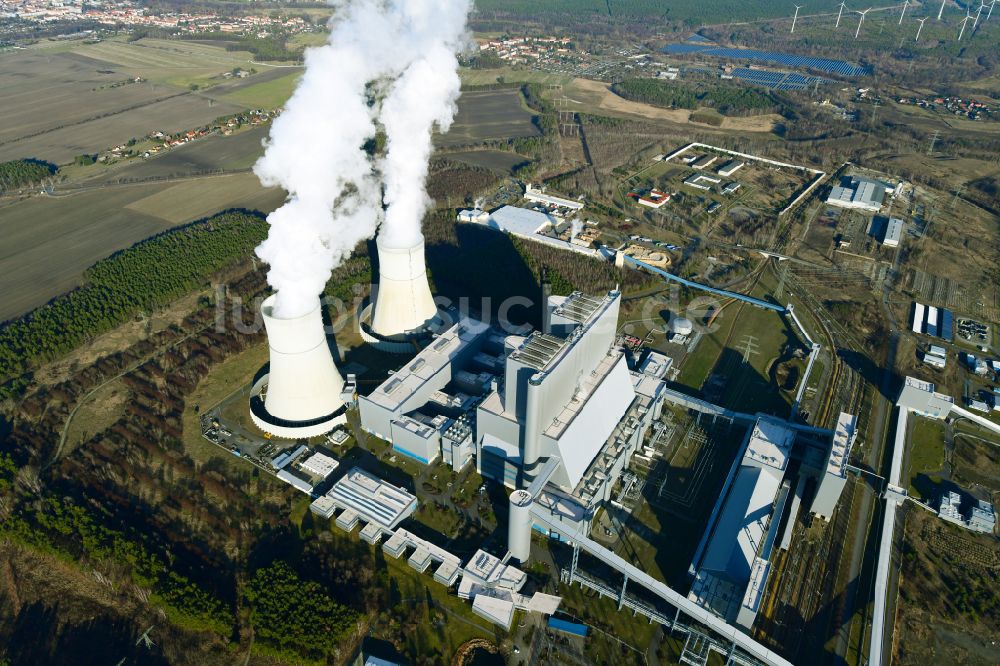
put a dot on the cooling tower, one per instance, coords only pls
(303, 396)
(403, 304)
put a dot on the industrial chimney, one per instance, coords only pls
(403, 304)
(303, 386)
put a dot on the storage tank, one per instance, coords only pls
(519, 525)
(302, 388)
(403, 303)
(681, 326)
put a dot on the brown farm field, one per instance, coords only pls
(596, 97)
(61, 102)
(495, 160)
(209, 154)
(492, 114)
(50, 241)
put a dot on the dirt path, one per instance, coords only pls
(597, 94)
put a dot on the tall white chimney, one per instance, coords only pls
(303, 384)
(403, 303)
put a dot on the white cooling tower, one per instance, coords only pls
(403, 304)
(303, 384)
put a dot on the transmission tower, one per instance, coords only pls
(934, 139)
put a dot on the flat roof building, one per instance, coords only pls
(702, 181)
(319, 465)
(920, 397)
(729, 168)
(860, 193)
(893, 232)
(434, 381)
(534, 194)
(371, 498)
(704, 161)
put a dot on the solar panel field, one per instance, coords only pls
(753, 55)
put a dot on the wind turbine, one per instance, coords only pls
(841, 13)
(903, 13)
(978, 14)
(965, 21)
(796, 17)
(862, 21)
(990, 13)
(941, 11)
(921, 22)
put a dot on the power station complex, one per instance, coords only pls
(555, 415)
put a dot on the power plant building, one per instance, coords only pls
(405, 409)
(562, 394)
(733, 558)
(834, 477)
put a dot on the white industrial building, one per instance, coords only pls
(893, 232)
(364, 496)
(920, 397)
(831, 483)
(702, 181)
(859, 193)
(979, 517)
(539, 196)
(732, 561)
(419, 409)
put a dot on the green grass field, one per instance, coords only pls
(268, 94)
(485, 77)
(926, 454)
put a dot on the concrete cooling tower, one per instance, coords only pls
(403, 304)
(302, 388)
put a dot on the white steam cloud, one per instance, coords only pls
(316, 146)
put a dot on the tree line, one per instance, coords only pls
(149, 274)
(68, 530)
(18, 173)
(729, 100)
(296, 617)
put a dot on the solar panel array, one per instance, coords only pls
(776, 80)
(821, 64)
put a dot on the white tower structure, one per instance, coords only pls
(404, 303)
(303, 386)
(519, 525)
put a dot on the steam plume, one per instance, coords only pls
(316, 146)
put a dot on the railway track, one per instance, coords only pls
(802, 600)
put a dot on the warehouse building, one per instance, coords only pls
(729, 168)
(893, 232)
(704, 161)
(859, 193)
